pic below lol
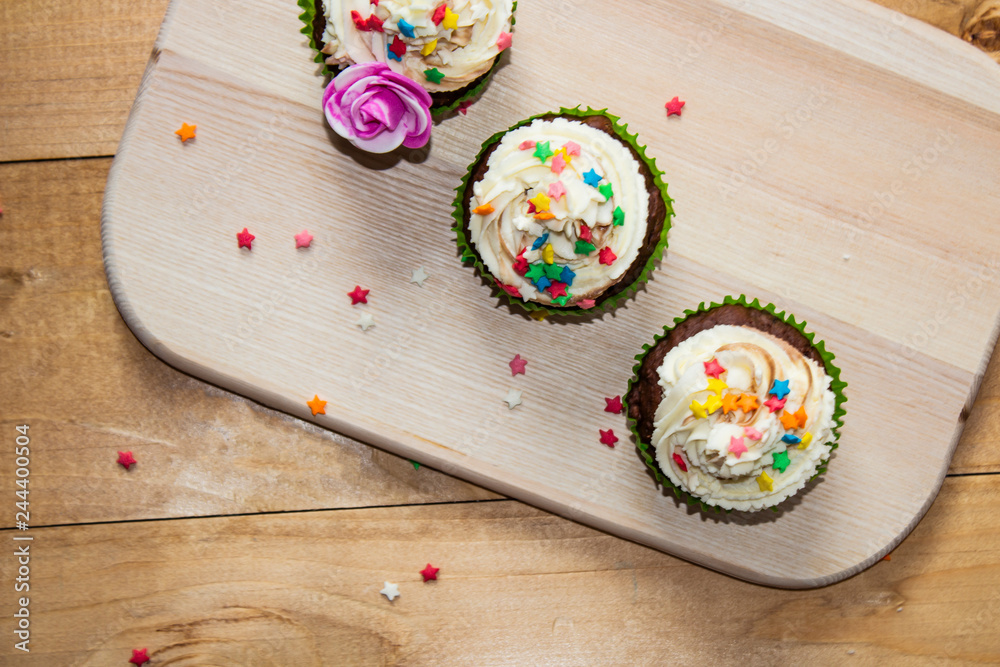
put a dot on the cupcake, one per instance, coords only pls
(563, 211)
(448, 47)
(735, 406)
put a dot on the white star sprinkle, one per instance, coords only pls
(513, 398)
(419, 276)
(391, 591)
(366, 322)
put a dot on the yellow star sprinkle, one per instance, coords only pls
(698, 409)
(806, 439)
(765, 482)
(716, 386)
(548, 254)
(713, 403)
(566, 156)
(450, 21)
(429, 47)
(538, 315)
(541, 202)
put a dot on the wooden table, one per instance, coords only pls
(245, 537)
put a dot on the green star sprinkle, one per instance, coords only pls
(584, 248)
(535, 271)
(542, 151)
(605, 189)
(780, 461)
(553, 271)
(416, 466)
(434, 74)
(618, 217)
(561, 300)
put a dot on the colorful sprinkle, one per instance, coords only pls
(586, 304)
(584, 248)
(781, 461)
(713, 403)
(538, 315)
(366, 321)
(557, 289)
(545, 215)
(713, 368)
(607, 256)
(779, 389)
(429, 47)
(618, 217)
(737, 447)
(434, 75)
(717, 386)
(765, 482)
(806, 440)
(773, 404)
(418, 276)
(571, 148)
(485, 209)
(540, 241)
(429, 572)
(126, 459)
(606, 190)
(139, 657)
(517, 365)
(548, 254)
(391, 591)
(438, 14)
(752, 433)
(791, 439)
(358, 295)
(674, 107)
(748, 402)
(729, 404)
(563, 300)
(557, 190)
(450, 20)
(680, 462)
(543, 283)
(614, 405)
(406, 28)
(504, 41)
(558, 163)
(608, 437)
(542, 151)
(541, 201)
(375, 23)
(554, 272)
(463, 107)
(526, 145)
(592, 178)
(316, 405)
(303, 239)
(513, 398)
(567, 275)
(186, 132)
(509, 289)
(585, 233)
(396, 49)
(535, 272)
(245, 239)
(360, 22)
(698, 410)
(521, 264)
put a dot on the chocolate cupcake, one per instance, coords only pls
(564, 212)
(735, 406)
(450, 48)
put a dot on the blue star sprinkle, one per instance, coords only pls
(592, 178)
(567, 275)
(779, 389)
(540, 241)
(405, 27)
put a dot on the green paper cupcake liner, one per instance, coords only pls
(472, 91)
(603, 304)
(837, 386)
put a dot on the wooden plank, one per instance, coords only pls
(516, 586)
(70, 72)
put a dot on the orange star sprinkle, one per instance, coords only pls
(485, 209)
(748, 402)
(544, 215)
(788, 420)
(317, 406)
(186, 132)
(729, 404)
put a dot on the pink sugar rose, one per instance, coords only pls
(377, 109)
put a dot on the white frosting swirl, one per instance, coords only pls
(461, 53)
(614, 226)
(718, 471)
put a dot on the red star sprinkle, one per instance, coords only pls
(674, 107)
(585, 233)
(464, 106)
(359, 22)
(607, 256)
(713, 369)
(608, 437)
(245, 239)
(557, 289)
(773, 404)
(526, 145)
(586, 304)
(303, 239)
(139, 656)
(438, 14)
(398, 46)
(375, 23)
(126, 459)
(680, 462)
(358, 295)
(510, 289)
(517, 365)
(429, 572)
(614, 405)
(521, 264)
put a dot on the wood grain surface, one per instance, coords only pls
(61, 339)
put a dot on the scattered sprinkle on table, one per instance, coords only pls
(608, 437)
(303, 239)
(317, 405)
(391, 591)
(517, 365)
(126, 459)
(674, 107)
(513, 398)
(429, 572)
(139, 656)
(358, 295)
(366, 322)
(416, 466)
(538, 315)
(419, 276)
(245, 239)
(614, 405)
(186, 132)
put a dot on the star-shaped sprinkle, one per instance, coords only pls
(618, 217)
(791, 439)
(504, 41)
(463, 107)
(520, 264)
(359, 21)
(729, 404)
(450, 20)
(737, 447)
(484, 209)
(245, 239)
(586, 304)
(779, 388)
(606, 190)
(544, 215)
(557, 289)
(608, 437)
(793, 420)
(558, 163)
(428, 48)
(717, 386)
(680, 462)
(567, 275)
(557, 190)
(541, 201)
(674, 107)
(396, 49)
(535, 272)
(366, 321)
(571, 148)
(586, 234)
(517, 365)
(186, 132)
(139, 656)
(748, 402)
(698, 410)
(538, 315)
(416, 466)
(434, 75)
(592, 178)
(752, 433)
(429, 572)
(513, 398)
(713, 369)
(614, 405)
(773, 404)
(562, 300)
(554, 272)
(317, 405)
(764, 482)
(543, 283)
(375, 23)
(303, 239)
(540, 241)
(713, 403)
(391, 591)
(548, 255)
(806, 440)
(438, 14)
(607, 256)
(358, 295)
(406, 28)
(542, 151)
(526, 145)
(509, 289)
(418, 276)
(780, 461)
(126, 459)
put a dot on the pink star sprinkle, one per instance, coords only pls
(557, 190)
(358, 295)
(572, 148)
(503, 41)
(713, 369)
(752, 433)
(614, 405)
(674, 107)
(586, 304)
(558, 163)
(736, 447)
(517, 365)
(126, 459)
(510, 289)
(608, 437)
(303, 239)
(245, 239)
(526, 145)
(139, 656)
(773, 404)
(464, 107)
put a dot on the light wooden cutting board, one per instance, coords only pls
(834, 158)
